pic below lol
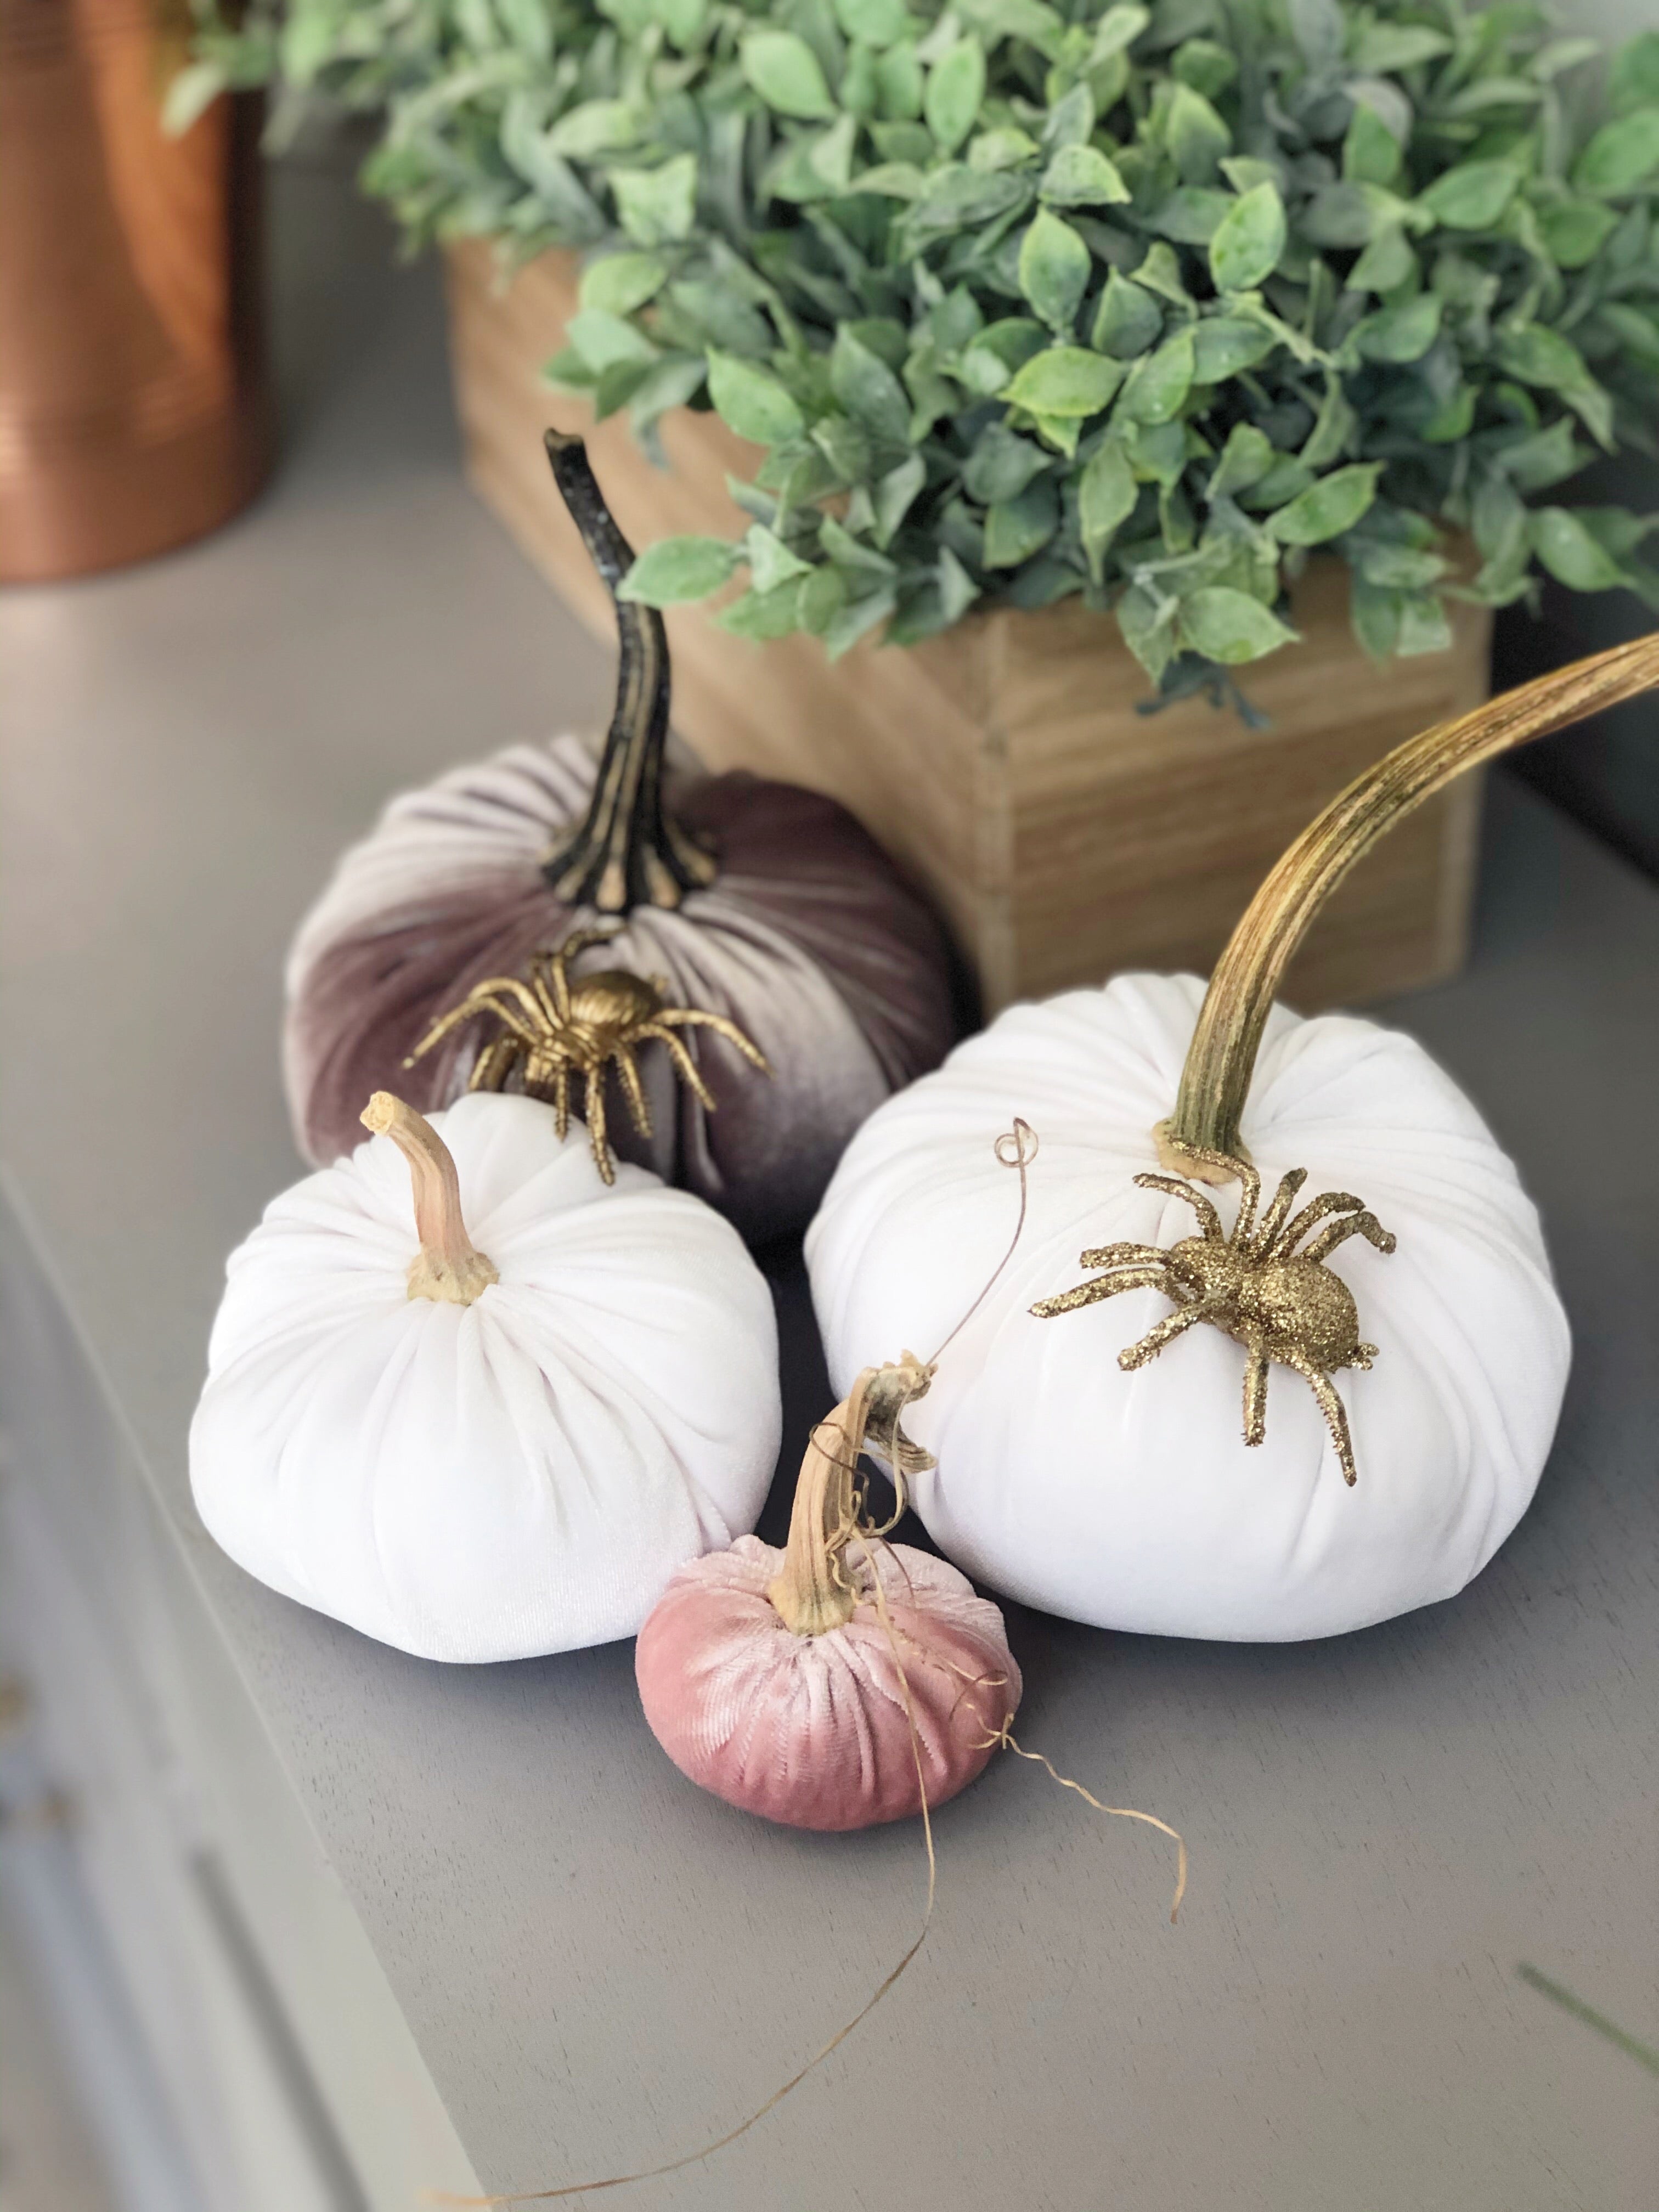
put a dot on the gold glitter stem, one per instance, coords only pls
(1221, 1059)
(448, 1267)
(813, 1594)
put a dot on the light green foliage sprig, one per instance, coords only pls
(1029, 298)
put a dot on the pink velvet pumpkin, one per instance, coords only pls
(780, 1681)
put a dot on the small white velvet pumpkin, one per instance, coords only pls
(513, 1465)
(1130, 1500)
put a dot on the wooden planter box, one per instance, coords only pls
(1064, 835)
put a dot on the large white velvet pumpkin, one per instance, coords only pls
(1130, 1499)
(518, 1475)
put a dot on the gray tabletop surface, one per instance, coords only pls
(602, 1966)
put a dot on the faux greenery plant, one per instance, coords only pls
(1026, 298)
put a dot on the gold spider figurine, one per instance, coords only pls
(1277, 1303)
(551, 1026)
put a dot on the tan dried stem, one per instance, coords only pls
(814, 1591)
(448, 1267)
(1221, 1059)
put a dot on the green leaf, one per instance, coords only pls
(1106, 498)
(1371, 155)
(1158, 384)
(1327, 508)
(897, 180)
(1147, 625)
(1383, 49)
(1536, 354)
(1192, 215)
(894, 495)
(1127, 320)
(1207, 67)
(1066, 380)
(852, 553)
(1622, 154)
(1224, 344)
(877, 22)
(1230, 626)
(598, 126)
(622, 282)
(899, 88)
(1423, 625)
(1053, 270)
(1195, 135)
(785, 72)
(1402, 333)
(679, 568)
(1473, 196)
(763, 614)
(751, 401)
(955, 89)
(856, 619)
(1245, 459)
(1575, 231)
(1245, 249)
(1386, 264)
(1081, 176)
(1545, 458)
(1572, 556)
(770, 560)
(657, 206)
(1017, 528)
(956, 589)
(602, 340)
(1634, 78)
(1001, 465)
(868, 389)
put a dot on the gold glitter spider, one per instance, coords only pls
(1277, 1303)
(551, 1026)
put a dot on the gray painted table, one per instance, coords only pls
(385, 1924)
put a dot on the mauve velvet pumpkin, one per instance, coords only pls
(812, 1730)
(806, 940)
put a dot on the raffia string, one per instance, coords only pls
(1016, 1148)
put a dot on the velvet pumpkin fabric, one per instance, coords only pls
(812, 1731)
(807, 940)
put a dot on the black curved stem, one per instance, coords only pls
(629, 850)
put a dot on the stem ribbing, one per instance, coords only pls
(1221, 1059)
(629, 850)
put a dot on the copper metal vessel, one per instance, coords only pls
(134, 411)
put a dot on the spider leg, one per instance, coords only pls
(1318, 1209)
(562, 1099)
(1364, 1223)
(683, 1061)
(580, 940)
(676, 1016)
(1250, 1184)
(1330, 1405)
(1166, 1331)
(481, 1001)
(1105, 1286)
(594, 1109)
(1256, 1392)
(541, 982)
(494, 1064)
(1209, 1219)
(558, 982)
(1121, 1256)
(1274, 1219)
(628, 1074)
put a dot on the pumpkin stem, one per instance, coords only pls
(629, 850)
(1221, 1059)
(448, 1267)
(814, 1592)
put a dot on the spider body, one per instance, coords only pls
(1279, 1303)
(553, 1028)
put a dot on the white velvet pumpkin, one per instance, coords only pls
(1130, 1500)
(520, 1474)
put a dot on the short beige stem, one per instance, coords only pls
(448, 1267)
(811, 1593)
(1221, 1058)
